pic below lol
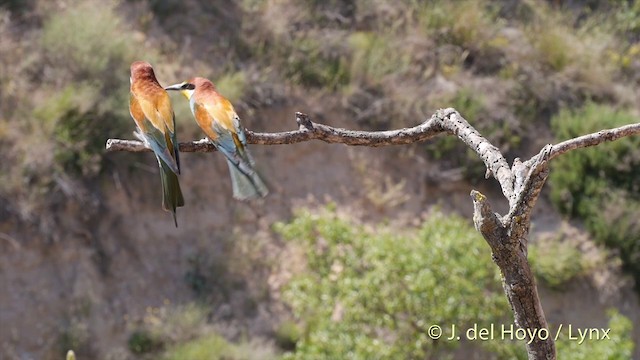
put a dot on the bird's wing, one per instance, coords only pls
(205, 121)
(152, 125)
(168, 117)
(222, 122)
(222, 113)
(225, 123)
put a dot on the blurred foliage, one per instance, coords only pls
(374, 292)
(75, 336)
(312, 63)
(556, 262)
(142, 342)
(599, 184)
(215, 347)
(17, 6)
(618, 347)
(287, 335)
(87, 96)
(216, 276)
(475, 30)
(232, 85)
(382, 57)
(555, 47)
(71, 96)
(73, 42)
(373, 56)
(184, 332)
(627, 18)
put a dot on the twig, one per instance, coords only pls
(443, 121)
(308, 130)
(594, 139)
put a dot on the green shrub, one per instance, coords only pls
(17, 6)
(555, 46)
(599, 185)
(474, 32)
(92, 105)
(209, 347)
(473, 27)
(469, 103)
(618, 347)
(372, 291)
(232, 85)
(287, 335)
(79, 132)
(142, 342)
(215, 347)
(374, 56)
(76, 39)
(556, 262)
(314, 63)
(627, 18)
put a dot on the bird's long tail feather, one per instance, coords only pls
(171, 192)
(245, 181)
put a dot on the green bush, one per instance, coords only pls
(627, 18)
(142, 342)
(474, 33)
(556, 262)
(474, 26)
(208, 347)
(618, 347)
(215, 347)
(77, 131)
(17, 6)
(554, 46)
(374, 56)
(92, 105)
(75, 40)
(312, 62)
(599, 185)
(373, 292)
(287, 335)
(232, 85)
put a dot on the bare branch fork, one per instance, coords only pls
(521, 184)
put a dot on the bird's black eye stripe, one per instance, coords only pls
(188, 86)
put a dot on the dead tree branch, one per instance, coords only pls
(443, 121)
(594, 139)
(521, 184)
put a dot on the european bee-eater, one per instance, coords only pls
(217, 118)
(150, 108)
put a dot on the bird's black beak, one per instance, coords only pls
(181, 86)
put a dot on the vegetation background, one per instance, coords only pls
(356, 251)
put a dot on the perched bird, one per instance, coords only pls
(150, 108)
(217, 118)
